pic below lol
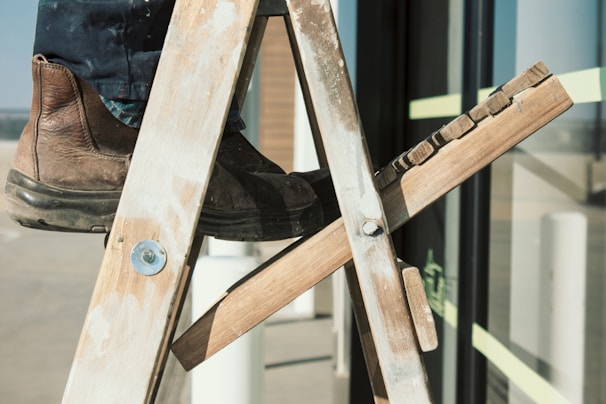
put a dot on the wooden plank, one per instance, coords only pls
(309, 107)
(250, 58)
(455, 129)
(173, 320)
(527, 78)
(421, 152)
(491, 106)
(533, 109)
(422, 317)
(131, 316)
(290, 273)
(368, 347)
(361, 208)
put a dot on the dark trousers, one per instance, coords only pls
(114, 45)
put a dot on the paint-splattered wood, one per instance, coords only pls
(309, 107)
(290, 273)
(353, 176)
(131, 317)
(370, 354)
(250, 58)
(422, 317)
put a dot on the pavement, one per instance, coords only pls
(46, 280)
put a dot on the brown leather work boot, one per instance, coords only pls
(73, 156)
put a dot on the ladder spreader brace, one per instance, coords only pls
(208, 55)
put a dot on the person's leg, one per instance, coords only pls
(73, 155)
(115, 45)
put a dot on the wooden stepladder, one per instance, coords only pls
(209, 51)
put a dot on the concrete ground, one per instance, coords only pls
(46, 279)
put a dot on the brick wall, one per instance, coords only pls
(277, 85)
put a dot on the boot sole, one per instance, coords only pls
(35, 205)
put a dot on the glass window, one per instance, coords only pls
(548, 220)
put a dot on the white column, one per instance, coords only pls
(235, 374)
(305, 159)
(562, 300)
(548, 302)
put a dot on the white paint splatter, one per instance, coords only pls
(324, 3)
(98, 330)
(369, 206)
(224, 15)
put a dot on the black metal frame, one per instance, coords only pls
(475, 212)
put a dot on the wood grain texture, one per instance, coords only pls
(307, 262)
(458, 127)
(250, 59)
(368, 347)
(309, 107)
(491, 106)
(422, 317)
(130, 320)
(422, 185)
(361, 207)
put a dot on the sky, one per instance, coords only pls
(17, 26)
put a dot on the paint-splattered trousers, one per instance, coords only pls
(114, 45)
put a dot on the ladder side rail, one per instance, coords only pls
(368, 348)
(180, 296)
(250, 58)
(377, 270)
(131, 316)
(309, 107)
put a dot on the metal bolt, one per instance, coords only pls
(148, 256)
(371, 228)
